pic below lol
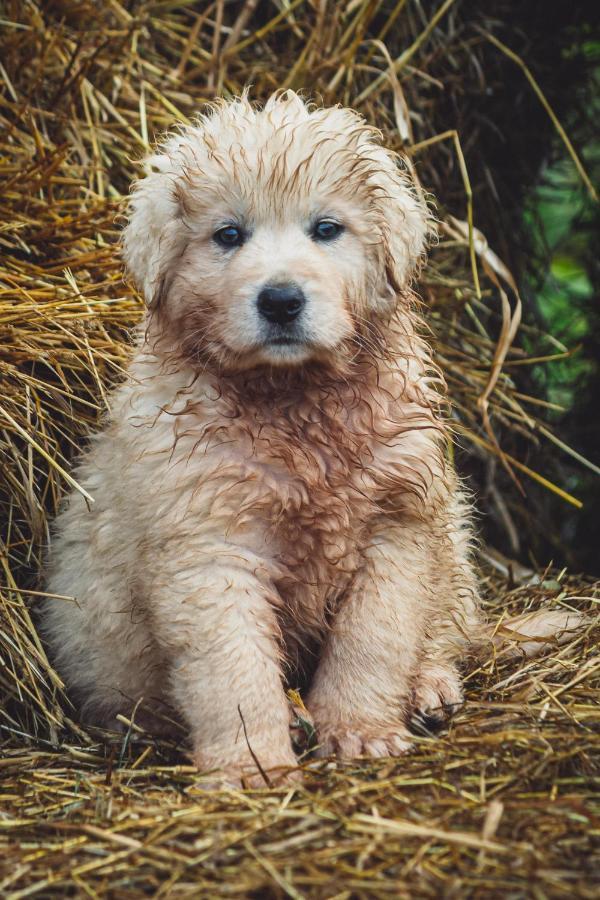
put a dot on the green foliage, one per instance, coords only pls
(560, 218)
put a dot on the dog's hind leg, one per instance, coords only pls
(455, 626)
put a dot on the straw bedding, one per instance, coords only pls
(505, 801)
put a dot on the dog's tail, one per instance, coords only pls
(530, 633)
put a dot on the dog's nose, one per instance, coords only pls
(281, 303)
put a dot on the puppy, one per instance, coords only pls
(273, 503)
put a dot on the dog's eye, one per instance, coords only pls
(229, 236)
(326, 230)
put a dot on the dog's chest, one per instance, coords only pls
(299, 482)
(307, 482)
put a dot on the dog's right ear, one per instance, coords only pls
(153, 237)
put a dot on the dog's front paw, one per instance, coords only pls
(437, 693)
(262, 770)
(353, 740)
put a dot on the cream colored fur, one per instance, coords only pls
(267, 513)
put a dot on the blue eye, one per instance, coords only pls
(229, 236)
(327, 230)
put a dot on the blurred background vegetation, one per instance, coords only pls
(544, 223)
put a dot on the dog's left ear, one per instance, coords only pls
(406, 223)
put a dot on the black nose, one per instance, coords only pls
(280, 303)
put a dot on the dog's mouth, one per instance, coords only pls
(285, 349)
(290, 338)
(285, 341)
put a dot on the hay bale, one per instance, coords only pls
(503, 802)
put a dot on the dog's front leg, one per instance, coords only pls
(218, 628)
(362, 692)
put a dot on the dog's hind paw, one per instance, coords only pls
(437, 694)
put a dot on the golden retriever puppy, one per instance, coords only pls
(272, 499)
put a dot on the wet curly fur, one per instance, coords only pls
(270, 511)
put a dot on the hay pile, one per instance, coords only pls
(504, 804)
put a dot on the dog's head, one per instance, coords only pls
(273, 236)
